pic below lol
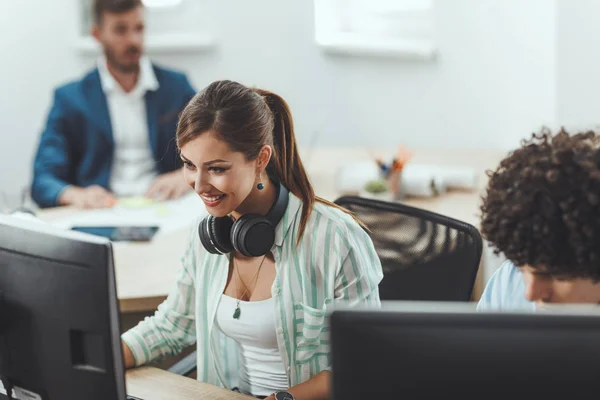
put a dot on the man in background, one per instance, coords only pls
(111, 134)
(541, 211)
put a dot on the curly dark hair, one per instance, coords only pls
(542, 206)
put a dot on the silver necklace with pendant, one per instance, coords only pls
(238, 311)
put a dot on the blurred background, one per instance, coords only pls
(458, 82)
(492, 72)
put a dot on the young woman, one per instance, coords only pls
(262, 269)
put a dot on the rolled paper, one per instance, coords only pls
(459, 177)
(420, 182)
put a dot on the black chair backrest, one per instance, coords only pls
(424, 255)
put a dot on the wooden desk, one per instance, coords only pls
(149, 383)
(145, 272)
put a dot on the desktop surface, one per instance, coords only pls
(433, 354)
(150, 383)
(157, 261)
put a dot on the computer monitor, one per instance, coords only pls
(455, 352)
(59, 315)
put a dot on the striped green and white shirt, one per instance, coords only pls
(335, 262)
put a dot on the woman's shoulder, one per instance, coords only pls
(334, 214)
(193, 247)
(325, 218)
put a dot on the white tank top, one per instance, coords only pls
(262, 371)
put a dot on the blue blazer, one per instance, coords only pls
(77, 146)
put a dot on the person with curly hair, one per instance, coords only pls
(542, 211)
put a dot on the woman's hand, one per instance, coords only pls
(316, 388)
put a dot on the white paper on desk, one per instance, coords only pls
(169, 216)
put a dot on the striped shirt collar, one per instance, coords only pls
(283, 228)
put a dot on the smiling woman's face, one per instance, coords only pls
(221, 177)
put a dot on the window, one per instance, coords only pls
(376, 27)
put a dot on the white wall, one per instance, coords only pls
(34, 58)
(493, 83)
(578, 60)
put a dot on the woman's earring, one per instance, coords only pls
(260, 185)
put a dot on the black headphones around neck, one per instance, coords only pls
(252, 235)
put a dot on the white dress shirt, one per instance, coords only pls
(133, 168)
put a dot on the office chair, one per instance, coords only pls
(424, 255)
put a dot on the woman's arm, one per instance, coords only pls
(357, 280)
(356, 283)
(172, 327)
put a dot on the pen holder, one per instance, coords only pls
(393, 180)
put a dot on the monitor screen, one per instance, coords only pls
(397, 353)
(59, 331)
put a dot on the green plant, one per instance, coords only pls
(377, 186)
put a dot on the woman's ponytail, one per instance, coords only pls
(286, 164)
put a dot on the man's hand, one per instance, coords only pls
(90, 197)
(168, 186)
